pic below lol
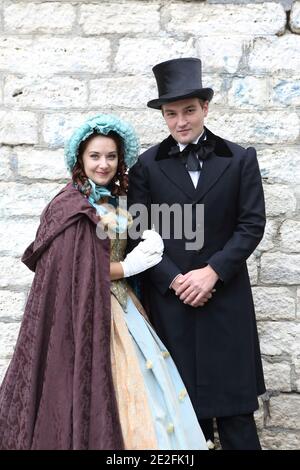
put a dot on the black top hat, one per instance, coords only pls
(178, 79)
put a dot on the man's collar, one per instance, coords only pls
(182, 146)
(221, 147)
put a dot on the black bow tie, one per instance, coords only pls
(192, 153)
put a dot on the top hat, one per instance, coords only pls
(178, 79)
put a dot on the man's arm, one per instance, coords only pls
(251, 220)
(197, 285)
(163, 273)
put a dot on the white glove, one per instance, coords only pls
(153, 242)
(145, 255)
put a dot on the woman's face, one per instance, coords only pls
(100, 159)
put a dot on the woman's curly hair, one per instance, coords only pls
(119, 183)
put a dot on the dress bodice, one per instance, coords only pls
(117, 248)
(118, 287)
(115, 222)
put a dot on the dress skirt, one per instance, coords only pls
(154, 407)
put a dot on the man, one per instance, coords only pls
(200, 299)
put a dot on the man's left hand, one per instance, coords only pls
(196, 286)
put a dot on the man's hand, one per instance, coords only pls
(196, 287)
(176, 284)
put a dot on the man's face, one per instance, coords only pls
(185, 119)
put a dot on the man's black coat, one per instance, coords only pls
(215, 347)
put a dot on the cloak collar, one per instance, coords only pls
(65, 209)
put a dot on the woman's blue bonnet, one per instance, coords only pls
(103, 124)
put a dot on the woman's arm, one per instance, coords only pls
(145, 255)
(116, 271)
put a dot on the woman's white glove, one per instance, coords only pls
(145, 255)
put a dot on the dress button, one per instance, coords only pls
(165, 354)
(149, 364)
(182, 394)
(170, 428)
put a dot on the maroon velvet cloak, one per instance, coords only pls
(58, 391)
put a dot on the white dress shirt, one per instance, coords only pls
(193, 174)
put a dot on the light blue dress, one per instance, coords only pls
(175, 421)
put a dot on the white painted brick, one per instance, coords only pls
(41, 163)
(15, 54)
(280, 199)
(16, 236)
(285, 91)
(277, 376)
(281, 165)
(113, 17)
(280, 268)
(295, 17)
(138, 56)
(280, 337)
(274, 303)
(3, 367)
(253, 128)
(223, 54)
(45, 56)
(8, 337)
(59, 92)
(127, 92)
(290, 236)
(248, 92)
(57, 55)
(54, 17)
(1, 86)
(26, 200)
(296, 363)
(18, 127)
(270, 55)
(279, 439)
(11, 305)
(202, 19)
(5, 169)
(14, 273)
(285, 413)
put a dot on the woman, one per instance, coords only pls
(88, 371)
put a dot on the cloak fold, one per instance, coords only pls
(58, 391)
